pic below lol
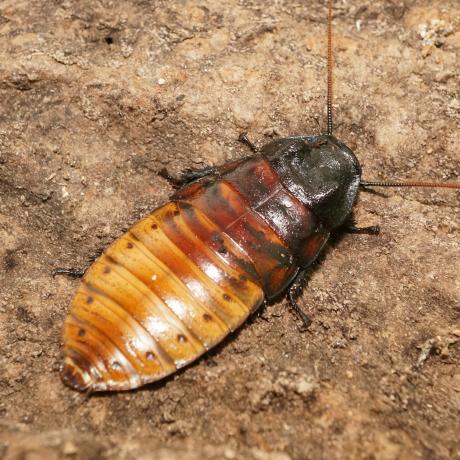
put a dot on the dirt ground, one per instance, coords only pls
(97, 96)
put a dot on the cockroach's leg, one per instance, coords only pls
(350, 226)
(188, 176)
(165, 174)
(77, 272)
(371, 230)
(243, 138)
(74, 273)
(191, 175)
(294, 291)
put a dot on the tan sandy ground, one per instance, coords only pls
(97, 96)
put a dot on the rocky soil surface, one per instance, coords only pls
(97, 96)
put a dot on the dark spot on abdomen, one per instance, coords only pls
(207, 317)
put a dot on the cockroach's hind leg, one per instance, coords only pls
(96, 255)
(244, 139)
(74, 273)
(78, 272)
(371, 230)
(294, 291)
(191, 175)
(173, 181)
(187, 176)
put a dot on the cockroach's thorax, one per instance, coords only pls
(322, 172)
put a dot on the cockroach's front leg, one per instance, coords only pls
(371, 230)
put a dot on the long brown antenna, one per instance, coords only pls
(329, 69)
(453, 185)
(330, 126)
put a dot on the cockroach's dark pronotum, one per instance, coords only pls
(191, 272)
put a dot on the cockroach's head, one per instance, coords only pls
(321, 172)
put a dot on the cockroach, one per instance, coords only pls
(183, 278)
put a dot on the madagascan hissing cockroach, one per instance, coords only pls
(183, 278)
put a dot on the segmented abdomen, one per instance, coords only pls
(157, 299)
(181, 279)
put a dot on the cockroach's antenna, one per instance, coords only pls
(330, 125)
(453, 185)
(330, 64)
(365, 183)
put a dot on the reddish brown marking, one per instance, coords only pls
(150, 356)
(90, 299)
(311, 247)
(129, 245)
(195, 252)
(255, 180)
(107, 270)
(210, 236)
(225, 206)
(81, 332)
(154, 227)
(260, 186)
(221, 204)
(207, 317)
(272, 259)
(181, 338)
(289, 218)
(226, 297)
